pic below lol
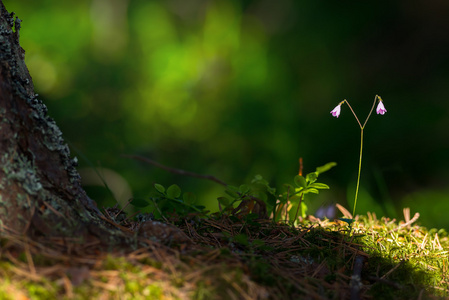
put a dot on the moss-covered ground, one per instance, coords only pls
(232, 258)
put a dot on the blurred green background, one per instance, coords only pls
(239, 88)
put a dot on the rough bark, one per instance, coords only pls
(40, 190)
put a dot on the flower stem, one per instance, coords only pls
(372, 108)
(361, 147)
(360, 168)
(354, 113)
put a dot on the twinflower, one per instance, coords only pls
(380, 111)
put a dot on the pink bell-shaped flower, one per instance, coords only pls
(381, 108)
(336, 111)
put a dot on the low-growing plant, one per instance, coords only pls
(171, 200)
(246, 202)
(293, 198)
(288, 206)
(257, 198)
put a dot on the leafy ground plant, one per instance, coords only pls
(170, 199)
(291, 205)
(256, 198)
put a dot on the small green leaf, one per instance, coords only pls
(159, 187)
(258, 177)
(295, 212)
(311, 190)
(304, 209)
(173, 191)
(297, 192)
(326, 167)
(189, 197)
(200, 207)
(300, 181)
(312, 177)
(233, 194)
(232, 188)
(320, 186)
(243, 189)
(232, 191)
(139, 203)
(223, 201)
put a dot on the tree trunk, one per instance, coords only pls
(40, 191)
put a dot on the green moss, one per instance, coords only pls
(203, 291)
(113, 263)
(44, 290)
(151, 262)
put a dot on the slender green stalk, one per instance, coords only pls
(372, 108)
(361, 146)
(358, 176)
(355, 114)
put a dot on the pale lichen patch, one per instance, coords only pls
(19, 168)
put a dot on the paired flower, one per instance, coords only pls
(380, 110)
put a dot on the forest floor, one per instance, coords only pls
(231, 258)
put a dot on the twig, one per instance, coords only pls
(412, 220)
(391, 271)
(123, 228)
(175, 171)
(30, 259)
(344, 211)
(159, 210)
(386, 281)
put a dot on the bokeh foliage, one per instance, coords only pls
(238, 88)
